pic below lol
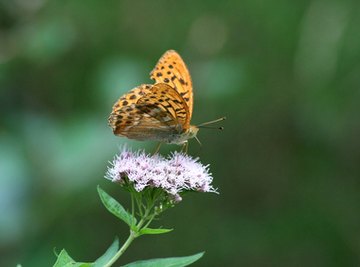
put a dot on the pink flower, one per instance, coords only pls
(175, 174)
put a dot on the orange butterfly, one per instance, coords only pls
(159, 112)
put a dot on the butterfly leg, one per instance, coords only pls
(157, 148)
(185, 147)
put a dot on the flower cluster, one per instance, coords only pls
(175, 174)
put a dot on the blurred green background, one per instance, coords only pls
(285, 73)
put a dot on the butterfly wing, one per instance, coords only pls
(166, 105)
(125, 115)
(142, 114)
(171, 70)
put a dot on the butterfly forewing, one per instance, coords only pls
(171, 70)
(166, 105)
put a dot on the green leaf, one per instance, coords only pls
(64, 260)
(110, 252)
(151, 231)
(115, 208)
(167, 262)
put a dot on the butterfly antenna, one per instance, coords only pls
(211, 122)
(210, 127)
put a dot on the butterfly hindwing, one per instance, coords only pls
(149, 112)
(124, 113)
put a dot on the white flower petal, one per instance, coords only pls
(174, 175)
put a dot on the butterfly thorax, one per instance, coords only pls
(182, 138)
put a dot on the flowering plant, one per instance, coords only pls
(155, 183)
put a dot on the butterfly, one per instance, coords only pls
(161, 111)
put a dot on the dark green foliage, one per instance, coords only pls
(285, 73)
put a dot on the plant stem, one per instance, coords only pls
(150, 220)
(122, 249)
(132, 205)
(133, 234)
(139, 204)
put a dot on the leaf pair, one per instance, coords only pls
(64, 260)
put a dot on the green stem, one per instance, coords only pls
(143, 220)
(132, 235)
(139, 204)
(150, 220)
(132, 205)
(127, 243)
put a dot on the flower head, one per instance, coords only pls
(174, 175)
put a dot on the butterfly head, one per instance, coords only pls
(182, 138)
(192, 132)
